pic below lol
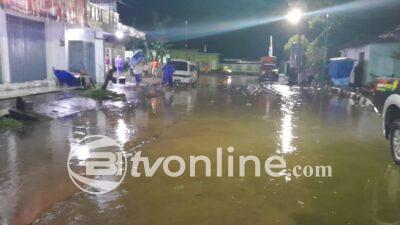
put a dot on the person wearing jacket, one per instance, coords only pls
(168, 72)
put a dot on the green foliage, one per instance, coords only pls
(160, 27)
(341, 28)
(100, 94)
(8, 123)
(315, 55)
(295, 39)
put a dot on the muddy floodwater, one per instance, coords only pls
(305, 128)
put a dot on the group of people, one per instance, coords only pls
(140, 68)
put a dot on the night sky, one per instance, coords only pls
(248, 43)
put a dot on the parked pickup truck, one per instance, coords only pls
(387, 101)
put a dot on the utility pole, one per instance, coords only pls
(186, 35)
(325, 51)
(300, 54)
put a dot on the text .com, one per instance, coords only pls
(273, 166)
(99, 165)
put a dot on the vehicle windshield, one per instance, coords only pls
(183, 66)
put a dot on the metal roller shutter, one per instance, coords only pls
(27, 53)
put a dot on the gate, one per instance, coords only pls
(27, 52)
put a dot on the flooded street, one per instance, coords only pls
(305, 128)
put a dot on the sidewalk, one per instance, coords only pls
(23, 92)
(7, 94)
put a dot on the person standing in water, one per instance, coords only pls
(168, 73)
(137, 72)
(119, 65)
(154, 68)
(107, 63)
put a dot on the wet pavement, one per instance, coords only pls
(305, 128)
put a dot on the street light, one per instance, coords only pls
(294, 16)
(322, 79)
(119, 34)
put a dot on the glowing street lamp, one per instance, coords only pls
(119, 34)
(294, 16)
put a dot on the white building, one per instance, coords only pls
(377, 58)
(68, 36)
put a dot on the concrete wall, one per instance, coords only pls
(381, 62)
(378, 60)
(242, 67)
(55, 54)
(354, 53)
(5, 69)
(91, 36)
(100, 67)
(201, 59)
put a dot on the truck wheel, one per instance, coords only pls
(395, 141)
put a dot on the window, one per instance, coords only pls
(180, 65)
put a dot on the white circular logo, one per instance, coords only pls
(97, 164)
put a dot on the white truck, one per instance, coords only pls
(186, 72)
(387, 101)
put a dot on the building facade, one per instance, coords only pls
(202, 59)
(37, 36)
(32, 37)
(377, 57)
(241, 66)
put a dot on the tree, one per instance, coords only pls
(160, 44)
(295, 39)
(350, 24)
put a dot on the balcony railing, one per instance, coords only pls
(102, 18)
(71, 11)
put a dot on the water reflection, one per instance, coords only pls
(386, 197)
(287, 120)
(122, 131)
(229, 81)
(185, 98)
(32, 180)
(155, 105)
(42, 149)
(9, 180)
